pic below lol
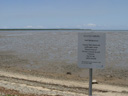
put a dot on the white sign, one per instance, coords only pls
(91, 50)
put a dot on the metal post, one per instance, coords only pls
(90, 81)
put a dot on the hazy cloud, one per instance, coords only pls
(91, 25)
(28, 26)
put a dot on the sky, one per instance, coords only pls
(83, 14)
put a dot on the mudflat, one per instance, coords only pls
(53, 55)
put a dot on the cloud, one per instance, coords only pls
(28, 26)
(91, 25)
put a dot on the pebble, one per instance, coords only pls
(94, 82)
(69, 73)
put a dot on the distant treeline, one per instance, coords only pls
(39, 29)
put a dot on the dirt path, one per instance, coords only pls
(28, 84)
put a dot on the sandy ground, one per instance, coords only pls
(36, 85)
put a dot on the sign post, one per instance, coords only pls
(91, 53)
(90, 81)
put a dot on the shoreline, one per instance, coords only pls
(105, 79)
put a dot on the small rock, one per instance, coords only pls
(94, 82)
(68, 73)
